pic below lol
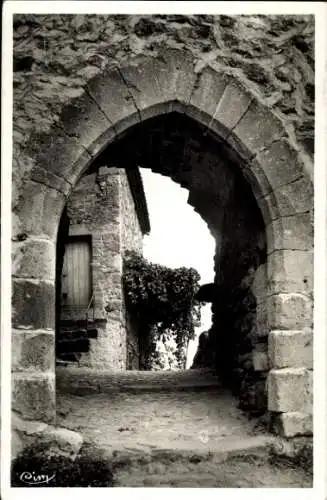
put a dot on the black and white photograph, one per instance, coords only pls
(160, 317)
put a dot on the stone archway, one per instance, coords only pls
(108, 107)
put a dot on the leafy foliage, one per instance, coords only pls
(162, 300)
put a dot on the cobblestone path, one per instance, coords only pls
(169, 429)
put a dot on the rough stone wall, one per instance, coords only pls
(101, 206)
(237, 335)
(132, 239)
(55, 56)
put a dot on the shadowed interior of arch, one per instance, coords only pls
(182, 149)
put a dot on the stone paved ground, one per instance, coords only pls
(183, 436)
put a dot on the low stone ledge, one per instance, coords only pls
(54, 441)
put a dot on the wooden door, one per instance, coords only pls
(76, 275)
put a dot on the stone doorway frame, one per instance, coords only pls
(110, 104)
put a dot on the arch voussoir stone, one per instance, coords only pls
(257, 128)
(281, 163)
(293, 198)
(207, 93)
(44, 176)
(59, 154)
(231, 108)
(114, 98)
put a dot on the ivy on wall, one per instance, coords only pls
(161, 299)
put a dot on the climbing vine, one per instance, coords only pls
(162, 301)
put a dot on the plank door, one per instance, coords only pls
(76, 275)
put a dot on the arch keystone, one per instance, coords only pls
(168, 77)
(207, 93)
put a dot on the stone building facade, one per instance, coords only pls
(224, 105)
(107, 216)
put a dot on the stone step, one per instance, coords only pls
(82, 380)
(184, 467)
(168, 438)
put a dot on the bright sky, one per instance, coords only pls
(178, 237)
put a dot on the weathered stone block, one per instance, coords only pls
(33, 395)
(233, 104)
(113, 96)
(63, 155)
(290, 233)
(289, 311)
(38, 212)
(61, 442)
(257, 129)
(290, 271)
(293, 198)
(43, 176)
(206, 95)
(54, 441)
(33, 351)
(156, 81)
(290, 390)
(83, 118)
(290, 348)
(33, 304)
(33, 258)
(293, 424)
(280, 163)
